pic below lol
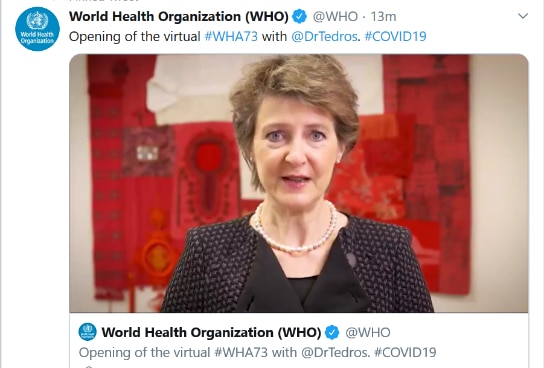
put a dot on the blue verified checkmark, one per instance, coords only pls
(332, 332)
(299, 16)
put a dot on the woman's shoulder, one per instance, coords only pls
(362, 223)
(213, 242)
(232, 228)
(377, 232)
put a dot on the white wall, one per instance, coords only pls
(498, 133)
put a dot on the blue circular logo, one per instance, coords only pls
(37, 29)
(87, 331)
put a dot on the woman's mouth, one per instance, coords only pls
(296, 179)
(295, 182)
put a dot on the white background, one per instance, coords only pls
(35, 158)
(500, 339)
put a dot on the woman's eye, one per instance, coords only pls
(317, 136)
(274, 136)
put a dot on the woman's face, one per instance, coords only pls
(294, 148)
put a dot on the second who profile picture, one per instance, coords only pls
(37, 29)
(87, 331)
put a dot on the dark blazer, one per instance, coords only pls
(229, 267)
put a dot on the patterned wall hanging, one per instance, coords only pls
(206, 186)
(436, 89)
(412, 165)
(188, 173)
(132, 161)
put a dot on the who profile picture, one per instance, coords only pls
(87, 331)
(37, 29)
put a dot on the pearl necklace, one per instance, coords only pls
(290, 249)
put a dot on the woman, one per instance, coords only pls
(295, 117)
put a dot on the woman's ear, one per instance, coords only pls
(341, 150)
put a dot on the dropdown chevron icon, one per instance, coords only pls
(523, 16)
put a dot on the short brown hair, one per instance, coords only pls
(319, 80)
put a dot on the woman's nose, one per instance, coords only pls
(296, 154)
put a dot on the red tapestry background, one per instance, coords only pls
(207, 176)
(436, 89)
(125, 189)
(150, 183)
(411, 168)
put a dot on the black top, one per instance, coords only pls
(229, 267)
(302, 286)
